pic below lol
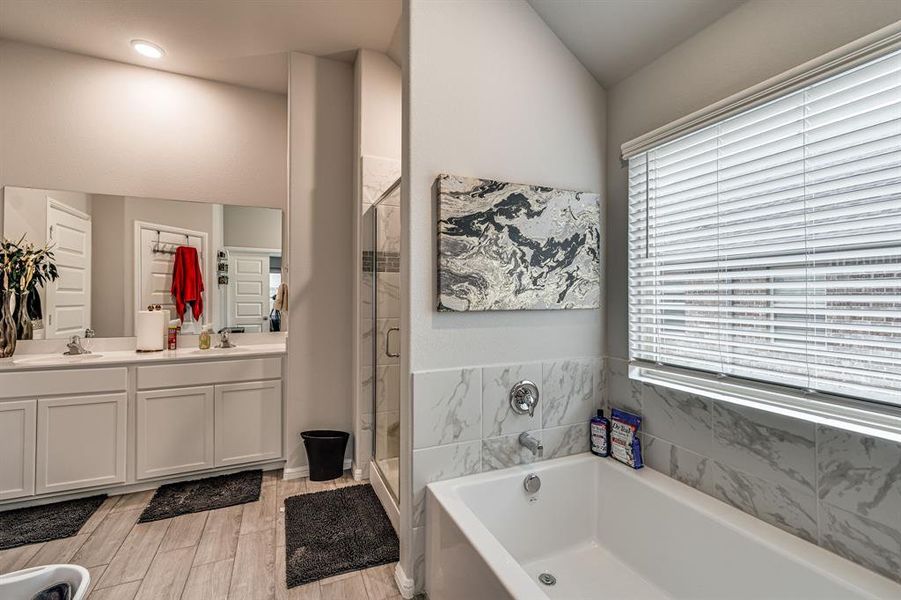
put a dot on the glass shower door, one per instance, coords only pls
(386, 338)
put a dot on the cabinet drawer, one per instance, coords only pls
(81, 442)
(63, 381)
(207, 373)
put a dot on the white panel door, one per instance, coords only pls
(68, 310)
(80, 442)
(248, 422)
(248, 291)
(156, 264)
(174, 431)
(17, 434)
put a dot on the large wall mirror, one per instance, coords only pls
(116, 255)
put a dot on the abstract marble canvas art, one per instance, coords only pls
(511, 246)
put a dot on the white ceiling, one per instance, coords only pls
(244, 43)
(615, 38)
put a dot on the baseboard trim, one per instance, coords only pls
(360, 473)
(304, 471)
(135, 486)
(404, 583)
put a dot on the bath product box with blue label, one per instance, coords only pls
(624, 443)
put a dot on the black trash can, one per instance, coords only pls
(325, 451)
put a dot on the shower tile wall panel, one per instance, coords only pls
(463, 424)
(376, 175)
(838, 489)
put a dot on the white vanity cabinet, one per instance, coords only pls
(227, 413)
(174, 431)
(18, 424)
(136, 423)
(80, 442)
(62, 430)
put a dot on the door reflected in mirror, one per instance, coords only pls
(207, 264)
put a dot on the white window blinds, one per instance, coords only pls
(768, 245)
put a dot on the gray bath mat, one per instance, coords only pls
(47, 522)
(185, 497)
(333, 532)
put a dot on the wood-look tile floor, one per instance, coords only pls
(234, 553)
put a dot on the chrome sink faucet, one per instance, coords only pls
(75, 348)
(527, 441)
(224, 342)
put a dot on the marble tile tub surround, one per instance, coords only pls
(463, 423)
(834, 488)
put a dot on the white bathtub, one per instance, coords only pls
(606, 531)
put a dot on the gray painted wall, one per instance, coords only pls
(320, 252)
(251, 227)
(515, 107)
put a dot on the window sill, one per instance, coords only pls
(867, 418)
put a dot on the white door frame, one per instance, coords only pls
(229, 289)
(45, 301)
(140, 226)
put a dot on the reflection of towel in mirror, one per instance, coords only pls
(281, 298)
(187, 282)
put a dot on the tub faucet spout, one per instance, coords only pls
(532, 444)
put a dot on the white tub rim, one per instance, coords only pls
(520, 585)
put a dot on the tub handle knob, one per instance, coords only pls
(524, 398)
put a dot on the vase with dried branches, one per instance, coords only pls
(25, 268)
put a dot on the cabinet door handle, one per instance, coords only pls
(388, 352)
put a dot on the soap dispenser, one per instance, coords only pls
(206, 335)
(599, 428)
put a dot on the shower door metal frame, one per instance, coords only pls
(376, 349)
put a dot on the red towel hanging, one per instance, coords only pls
(187, 282)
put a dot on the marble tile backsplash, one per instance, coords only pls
(463, 423)
(838, 489)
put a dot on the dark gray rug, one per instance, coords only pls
(333, 532)
(47, 522)
(185, 497)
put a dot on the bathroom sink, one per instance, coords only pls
(56, 359)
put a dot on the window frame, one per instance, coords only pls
(867, 417)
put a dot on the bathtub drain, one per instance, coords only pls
(547, 579)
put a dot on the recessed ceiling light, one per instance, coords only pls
(148, 49)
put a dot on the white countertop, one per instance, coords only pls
(103, 358)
